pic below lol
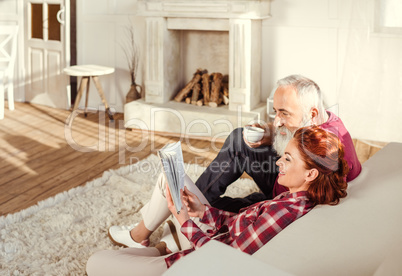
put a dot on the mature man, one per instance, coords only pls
(297, 103)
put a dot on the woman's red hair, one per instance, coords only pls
(323, 151)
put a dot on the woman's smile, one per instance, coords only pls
(292, 171)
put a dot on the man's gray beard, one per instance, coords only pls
(281, 141)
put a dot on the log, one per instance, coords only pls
(225, 85)
(220, 99)
(215, 89)
(200, 102)
(216, 104)
(184, 92)
(225, 79)
(225, 99)
(226, 91)
(196, 93)
(205, 88)
(188, 100)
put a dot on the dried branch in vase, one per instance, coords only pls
(131, 51)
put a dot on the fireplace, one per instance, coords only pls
(173, 29)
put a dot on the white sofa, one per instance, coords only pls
(360, 236)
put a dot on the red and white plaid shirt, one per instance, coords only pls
(248, 230)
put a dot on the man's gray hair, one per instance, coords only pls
(309, 94)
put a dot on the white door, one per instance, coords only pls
(47, 52)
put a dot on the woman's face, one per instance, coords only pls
(292, 171)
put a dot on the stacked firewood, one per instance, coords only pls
(205, 89)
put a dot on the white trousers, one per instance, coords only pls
(144, 261)
(127, 262)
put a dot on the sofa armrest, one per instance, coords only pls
(216, 258)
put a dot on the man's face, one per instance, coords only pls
(289, 117)
(287, 107)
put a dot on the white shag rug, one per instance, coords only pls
(57, 236)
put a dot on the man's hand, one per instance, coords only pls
(266, 140)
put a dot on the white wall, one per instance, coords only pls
(101, 30)
(308, 37)
(304, 37)
(335, 43)
(301, 37)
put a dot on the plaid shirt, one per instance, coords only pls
(248, 230)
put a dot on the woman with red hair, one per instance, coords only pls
(312, 168)
(321, 151)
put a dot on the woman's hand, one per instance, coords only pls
(266, 140)
(194, 206)
(183, 215)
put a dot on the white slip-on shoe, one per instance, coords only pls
(120, 235)
(169, 236)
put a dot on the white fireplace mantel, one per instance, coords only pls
(252, 9)
(242, 20)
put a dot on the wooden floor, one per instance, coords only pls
(40, 156)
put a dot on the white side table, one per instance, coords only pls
(86, 72)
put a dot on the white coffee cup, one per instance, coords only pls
(253, 134)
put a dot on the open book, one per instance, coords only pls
(172, 163)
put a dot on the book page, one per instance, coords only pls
(172, 162)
